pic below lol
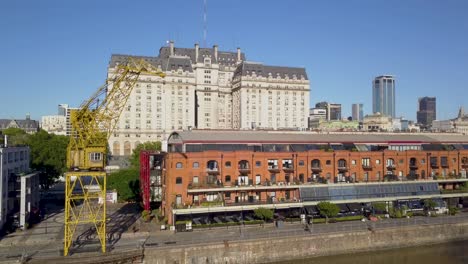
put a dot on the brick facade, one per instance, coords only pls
(239, 177)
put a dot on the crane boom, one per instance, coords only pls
(92, 124)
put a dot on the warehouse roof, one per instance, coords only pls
(240, 136)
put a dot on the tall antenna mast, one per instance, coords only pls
(204, 23)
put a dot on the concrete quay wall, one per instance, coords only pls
(288, 248)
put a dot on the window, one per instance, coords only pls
(179, 165)
(257, 179)
(178, 180)
(366, 162)
(227, 178)
(227, 195)
(301, 163)
(377, 161)
(196, 165)
(95, 156)
(353, 162)
(328, 162)
(227, 164)
(258, 163)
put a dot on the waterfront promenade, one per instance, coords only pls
(45, 240)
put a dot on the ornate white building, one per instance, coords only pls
(205, 88)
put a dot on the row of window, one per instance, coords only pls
(316, 162)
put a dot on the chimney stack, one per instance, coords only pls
(215, 47)
(171, 47)
(197, 49)
(238, 55)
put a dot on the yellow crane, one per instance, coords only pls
(92, 124)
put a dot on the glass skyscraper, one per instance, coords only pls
(383, 95)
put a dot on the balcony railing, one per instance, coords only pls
(433, 165)
(288, 168)
(273, 168)
(444, 165)
(391, 166)
(413, 166)
(212, 170)
(244, 169)
(342, 168)
(464, 165)
(203, 185)
(367, 166)
(316, 168)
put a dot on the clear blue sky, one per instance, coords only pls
(57, 51)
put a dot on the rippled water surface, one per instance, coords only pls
(448, 253)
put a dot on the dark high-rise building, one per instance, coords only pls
(427, 111)
(383, 95)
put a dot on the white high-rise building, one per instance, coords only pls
(58, 124)
(206, 88)
(19, 191)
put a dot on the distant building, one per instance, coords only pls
(457, 125)
(427, 111)
(357, 112)
(377, 122)
(19, 188)
(54, 124)
(207, 88)
(315, 116)
(58, 124)
(333, 110)
(28, 125)
(383, 95)
(460, 123)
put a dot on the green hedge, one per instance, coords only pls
(252, 222)
(340, 219)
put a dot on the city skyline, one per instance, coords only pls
(66, 57)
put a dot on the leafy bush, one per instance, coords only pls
(396, 212)
(429, 204)
(381, 207)
(263, 214)
(250, 222)
(146, 215)
(453, 210)
(328, 210)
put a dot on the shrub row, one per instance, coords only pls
(251, 222)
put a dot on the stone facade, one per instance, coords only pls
(208, 89)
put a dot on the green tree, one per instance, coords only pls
(48, 156)
(430, 204)
(16, 136)
(135, 158)
(381, 207)
(263, 213)
(328, 209)
(127, 184)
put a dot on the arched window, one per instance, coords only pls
(179, 165)
(127, 148)
(196, 165)
(116, 148)
(227, 164)
(227, 178)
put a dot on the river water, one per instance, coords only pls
(448, 253)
